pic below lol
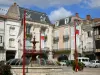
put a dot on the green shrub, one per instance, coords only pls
(80, 66)
(58, 63)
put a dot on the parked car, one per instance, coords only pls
(62, 63)
(66, 61)
(17, 62)
(84, 60)
(94, 63)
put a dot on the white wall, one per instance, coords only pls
(36, 30)
(2, 31)
(87, 41)
(2, 51)
(8, 24)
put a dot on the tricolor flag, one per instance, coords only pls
(42, 40)
(77, 31)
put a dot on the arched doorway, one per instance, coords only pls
(62, 57)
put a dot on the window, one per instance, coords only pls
(11, 42)
(99, 31)
(84, 59)
(0, 39)
(97, 61)
(57, 23)
(12, 30)
(28, 27)
(42, 19)
(89, 34)
(80, 60)
(66, 20)
(62, 22)
(97, 44)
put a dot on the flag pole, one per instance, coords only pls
(76, 55)
(24, 42)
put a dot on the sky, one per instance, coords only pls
(57, 9)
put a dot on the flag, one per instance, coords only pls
(42, 41)
(42, 37)
(77, 31)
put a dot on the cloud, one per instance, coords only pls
(50, 3)
(92, 3)
(59, 14)
(41, 3)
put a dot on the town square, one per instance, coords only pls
(47, 37)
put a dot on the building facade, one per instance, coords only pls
(9, 41)
(87, 38)
(38, 26)
(96, 32)
(64, 35)
(2, 32)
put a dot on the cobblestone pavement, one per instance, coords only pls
(65, 71)
(86, 71)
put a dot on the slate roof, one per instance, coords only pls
(13, 11)
(34, 16)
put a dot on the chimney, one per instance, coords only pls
(88, 17)
(76, 15)
(15, 3)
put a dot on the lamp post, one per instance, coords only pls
(76, 54)
(24, 42)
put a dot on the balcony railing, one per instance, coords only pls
(97, 50)
(65, 37)
(56, 39)
(88, 50)
(97, 36)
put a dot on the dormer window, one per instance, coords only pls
(66, 20)
(42, 19)
(57, 23)
(62, 22)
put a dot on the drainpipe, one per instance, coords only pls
(94, 48)
(4, 40)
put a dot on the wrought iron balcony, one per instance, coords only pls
(97, 36)
(56, 39)
(65, 37)
(97, 50)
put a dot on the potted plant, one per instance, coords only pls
(80, 66)
(28, 36)
(45, 38)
